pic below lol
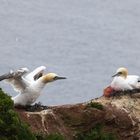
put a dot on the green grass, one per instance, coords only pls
(11, 128)
(96, 133)
(95, 105)
(55, 136)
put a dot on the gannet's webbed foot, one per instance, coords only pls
(36, 107)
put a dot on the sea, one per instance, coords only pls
(83, 40)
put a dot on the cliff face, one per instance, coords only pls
(118, 115)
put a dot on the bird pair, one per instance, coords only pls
(29, 85)
(122, 82)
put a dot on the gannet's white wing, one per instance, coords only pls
(6, 76)
(120, 83)
(15, 78)
(133, 80)
(35, 74)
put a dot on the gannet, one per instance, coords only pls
(123, 81)
(29, 86)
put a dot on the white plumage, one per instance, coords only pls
(123, 81)
(28, 86)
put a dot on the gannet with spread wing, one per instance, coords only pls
(28, 86)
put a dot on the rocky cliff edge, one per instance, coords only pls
(118, 115)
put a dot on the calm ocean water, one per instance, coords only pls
(84, 40)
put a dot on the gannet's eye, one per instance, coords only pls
(55, 78)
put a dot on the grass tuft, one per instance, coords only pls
(95, 105)
(96, 133)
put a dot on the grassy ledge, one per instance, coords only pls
(12, 128)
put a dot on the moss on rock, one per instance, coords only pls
(96, 133)
(11, 127)
(95, 105)
(54, 136)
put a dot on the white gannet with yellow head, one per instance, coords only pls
(123, 81)
(29, 85)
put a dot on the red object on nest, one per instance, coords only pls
(108, 91)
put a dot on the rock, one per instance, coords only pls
(119, 115)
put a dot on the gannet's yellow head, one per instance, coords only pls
(50, 77)
(123, 72)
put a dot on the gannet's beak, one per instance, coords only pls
(59, 78)
(117, 74)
